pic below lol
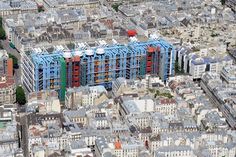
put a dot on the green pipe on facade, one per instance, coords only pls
(63, 79)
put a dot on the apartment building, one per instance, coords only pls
(7, 90)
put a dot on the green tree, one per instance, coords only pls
(2, 31)
(20, 96)
(40, 9)
(176, 67)
(222, 2)
(151, 90)
(1, 47)
(157, 93)
(116, 6)
(167, 95)
(178, 70)
(0, 21)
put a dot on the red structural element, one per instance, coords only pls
(149, 60)
(76, 74)
(146, 144)
(73, 65)
(149, 57)
(151, 52)
(151, 49)
(149, 63)
(75, 79)
(117, 145)
(77, 58)
(149, 69)
(131, 33)
(76, 71)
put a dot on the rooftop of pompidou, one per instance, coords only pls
(81, 64)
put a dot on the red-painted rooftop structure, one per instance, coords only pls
(131, 33)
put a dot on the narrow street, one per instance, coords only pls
(22, 117)
(23, 129)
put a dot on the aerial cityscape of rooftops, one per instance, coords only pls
(117, 78)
